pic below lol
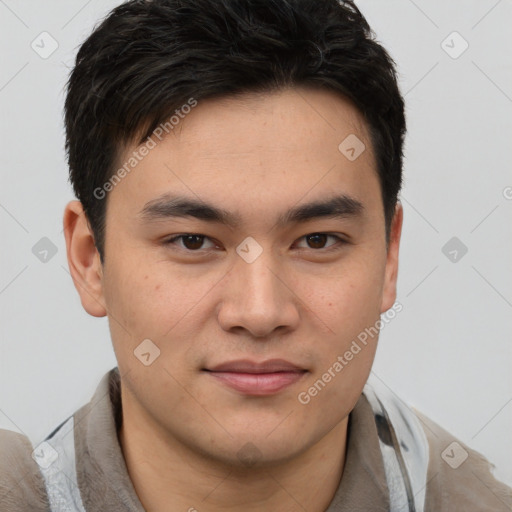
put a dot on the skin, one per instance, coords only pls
(183, 430)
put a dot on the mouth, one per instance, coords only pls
(257, 379)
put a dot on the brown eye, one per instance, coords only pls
(189, 242)
(317, 240)
(193, 242)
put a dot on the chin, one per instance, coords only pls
(259, 450)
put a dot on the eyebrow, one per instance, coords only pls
(167, 207)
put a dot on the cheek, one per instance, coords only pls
(350, 299)
(147, 296)
(350, 306)
(344, 358)
(156, 301)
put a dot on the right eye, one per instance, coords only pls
(191, 242)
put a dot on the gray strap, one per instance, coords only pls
(405, 453)
(56, 459)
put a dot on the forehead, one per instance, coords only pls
(262, 150)
(277, 122)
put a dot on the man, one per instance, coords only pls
(237, 165)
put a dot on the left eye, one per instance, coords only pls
(193, 242)
(318, 240)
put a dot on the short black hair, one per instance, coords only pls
(148, 58)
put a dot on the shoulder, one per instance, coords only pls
(459, 478)
(21, 483)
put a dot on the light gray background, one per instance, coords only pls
(448, 353)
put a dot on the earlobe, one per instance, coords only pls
(391, 272)
(83, 259)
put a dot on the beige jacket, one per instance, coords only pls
(104, 484)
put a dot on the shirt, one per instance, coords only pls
(104, 482)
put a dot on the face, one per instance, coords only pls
(252, 301)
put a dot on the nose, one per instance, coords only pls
(257, 297)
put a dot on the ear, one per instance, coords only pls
(83, 259)
(391, 272)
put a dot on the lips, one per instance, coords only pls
(257, 378)
(246, 366)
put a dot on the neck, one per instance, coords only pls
(167, 475)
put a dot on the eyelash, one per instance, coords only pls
(333, 247)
